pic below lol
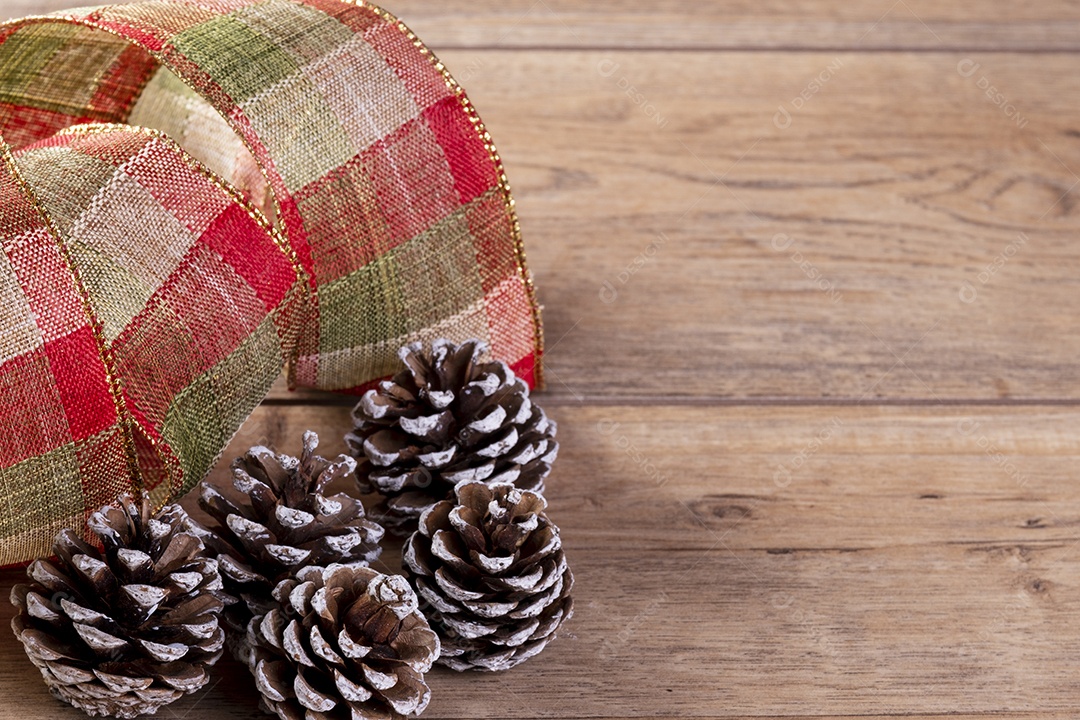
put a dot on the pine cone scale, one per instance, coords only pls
(68, 674)
(433, 428)
(269, 676)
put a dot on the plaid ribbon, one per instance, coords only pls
(316, 191)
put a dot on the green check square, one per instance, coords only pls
(242, 379)
(192, 429)
(363, 308)
(243, 62)
(66, 195)
(444, 277)
(25, 54)
(40, 491)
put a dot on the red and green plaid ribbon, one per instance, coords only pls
(316, 191)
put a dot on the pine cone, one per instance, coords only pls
(492, 569)
(124, 630)
(276, 520)
(445, 419)
(355, 646)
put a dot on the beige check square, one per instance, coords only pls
(128, 237)
(368, 116)
(299, 130)
(19, 333)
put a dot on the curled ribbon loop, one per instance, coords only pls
(195, 195)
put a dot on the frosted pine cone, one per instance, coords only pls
(346, 642)
(492, 568)
(127, 629)
(447, 418)
(276, 520)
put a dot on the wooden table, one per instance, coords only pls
(810, 275)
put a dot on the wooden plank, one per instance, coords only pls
(801, 636)
(722, 634)
(784, 480)
(725, 24)
(742, 24)
(902, 568)
(899, 237)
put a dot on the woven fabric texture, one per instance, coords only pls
(145, 313)
(198, 194)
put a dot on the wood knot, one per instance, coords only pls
(731, 511)
(728, 508)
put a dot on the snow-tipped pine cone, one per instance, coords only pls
(123, 630)
(446, 418)
(276, 519)
(491, 569)
(345, 642)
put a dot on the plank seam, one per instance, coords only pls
(705, 401)
(794, 49)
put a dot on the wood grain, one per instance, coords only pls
(725, 24)
(746, 24)
(831, 259)
(731, 632)
(719, 590)
(817, 453)
(782, 479)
